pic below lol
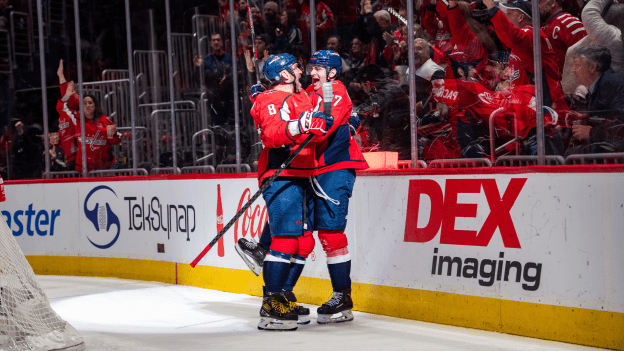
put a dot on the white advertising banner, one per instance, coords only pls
(545, 238)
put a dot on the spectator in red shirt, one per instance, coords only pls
(473, 45)
(100, 132)
(514, 30)
(67, 133)
(561, 28)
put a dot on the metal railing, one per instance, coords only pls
(206, 156)
(183, 69)
(6, 58)
(593, 159)
(124, 149)
(114, 74)
(56, 17)
(152, 76)
(233, 169)
(165, 170)
(65, 174)
(408, 164)
(21, 40)
(521, 161)
(499, 113)
(198, 170)
(460, 163)
(187, 122)
(117, 172)
(204, 25)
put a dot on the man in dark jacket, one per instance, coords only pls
(376, 30)
(603, 125)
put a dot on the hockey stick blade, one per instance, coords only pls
(265, 185)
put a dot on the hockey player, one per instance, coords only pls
(282, 115)
(337, 156)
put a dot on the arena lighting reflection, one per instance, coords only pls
(166, 309)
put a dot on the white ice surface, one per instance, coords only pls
(116, 314)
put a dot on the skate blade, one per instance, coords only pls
(268, 323)
(346, 316)
(303, 319)
(252, 265)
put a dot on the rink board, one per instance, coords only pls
(534, 254)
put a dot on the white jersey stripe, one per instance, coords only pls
(568, 19)
(338, 259)
(578, 30)
(573, 23)
(272, 258)
(69, 112)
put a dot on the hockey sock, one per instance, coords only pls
(339, 266)
(306, 246)
(275, 270)
(338, 260)
(294, 272)
(265, 238)
(277, 262)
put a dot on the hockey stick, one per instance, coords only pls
(399, 17)
(264, 186)
(327, 102)
(253, 41)
(396, 14)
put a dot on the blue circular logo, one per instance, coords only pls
(102, 217)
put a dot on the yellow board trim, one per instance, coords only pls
(565, 324)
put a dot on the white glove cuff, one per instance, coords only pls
(293, 128)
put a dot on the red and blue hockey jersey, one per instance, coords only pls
(271, 112)
(336, 150)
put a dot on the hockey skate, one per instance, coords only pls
(303, 313)
(275, 313)
(252, 253)
(339, 302)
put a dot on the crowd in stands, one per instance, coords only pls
(472, 59)
(473, 66)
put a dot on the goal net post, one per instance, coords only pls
(27, 322)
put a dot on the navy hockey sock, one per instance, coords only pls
(340, 275)
(339, 266)
(275, 270)
(265, 237)
(294, 272)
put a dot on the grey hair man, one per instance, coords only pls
(592, 67)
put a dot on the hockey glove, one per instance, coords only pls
(256, 89)
(315, 122)
(354, 124)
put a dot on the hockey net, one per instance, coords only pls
(27, 322)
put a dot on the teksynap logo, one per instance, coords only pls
(98, 211)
